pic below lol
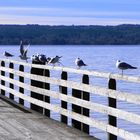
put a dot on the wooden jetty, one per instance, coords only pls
(36, 123)
(18, 123)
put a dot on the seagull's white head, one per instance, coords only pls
(4, 53)
(118, 62)
(77, 58)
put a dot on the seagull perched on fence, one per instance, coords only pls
(7, 54)
(23, 51)
(55, 60)
(35, 58)
(124, 66)
(79, 62)
(40, 58)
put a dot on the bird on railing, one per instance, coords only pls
(79, 62)
(7, 54)
(55, 60)
(23, 52)
(34, 58)
(124, 66)
(42, 58)
(48, 59)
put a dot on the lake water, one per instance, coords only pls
(98, 58)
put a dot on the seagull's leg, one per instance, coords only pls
(53, 65)
(78, 67)
(122, 72)
(60, 63)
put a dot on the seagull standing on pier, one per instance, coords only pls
(6, 54)
(23, 52)
(124, 66)
(79, 62)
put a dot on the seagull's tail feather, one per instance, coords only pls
(133, 67)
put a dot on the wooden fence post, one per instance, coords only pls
(39, 84)
(112, 103)
(47, 98)
(78, 109)
(3, 74)
(63, 90)
(11, 96)
(85, 111)
(21, 89)
(75, 108)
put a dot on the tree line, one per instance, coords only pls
(70, 35)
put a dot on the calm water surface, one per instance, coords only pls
(99, 58)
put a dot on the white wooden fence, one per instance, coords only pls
(40, 78)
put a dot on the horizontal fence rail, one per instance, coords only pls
(39, 86)
(71, 70)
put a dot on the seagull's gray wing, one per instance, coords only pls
(25, 54)
(8, 54)
(52, 60)
(21, 49)
(81, 63)
(124, 65)
(25, 51)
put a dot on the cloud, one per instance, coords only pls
(65, 16)
(64, 12)
(65, 20)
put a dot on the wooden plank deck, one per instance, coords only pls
(18, 124)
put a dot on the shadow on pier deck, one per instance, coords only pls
(19, 124)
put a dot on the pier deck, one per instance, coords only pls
(17, 124)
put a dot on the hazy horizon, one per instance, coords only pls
(70, 12)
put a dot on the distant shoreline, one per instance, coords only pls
(70, 35)
(98, 46)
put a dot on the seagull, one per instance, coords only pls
(79, 62)
(23, 52)
(42, 58)
(55, 60)
(124, 66)
(34, 58)
(48, 59)
(7, 54)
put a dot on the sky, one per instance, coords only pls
(70, 12)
